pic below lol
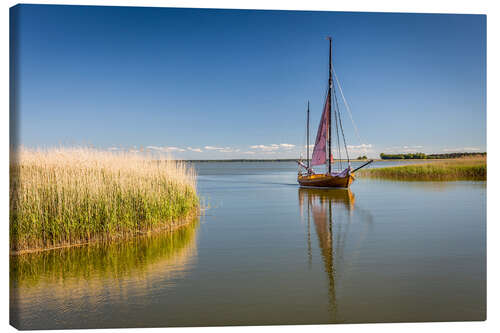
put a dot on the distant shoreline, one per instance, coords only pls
(389, 158)
(253, 160)
(296, 159)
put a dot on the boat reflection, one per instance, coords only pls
(344, 197)
(322, 205)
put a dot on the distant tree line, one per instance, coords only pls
(415, 156)
(422, 156)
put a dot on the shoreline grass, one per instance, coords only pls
(70, 196)
(467, 168)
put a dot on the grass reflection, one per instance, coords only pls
(134, 256)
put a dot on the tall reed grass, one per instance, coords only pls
(467, 168)
(70, 196)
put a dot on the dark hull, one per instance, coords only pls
(325, 181)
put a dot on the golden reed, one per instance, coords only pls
(466, 168)
(68, 196)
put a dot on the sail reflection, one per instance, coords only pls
(321, 205)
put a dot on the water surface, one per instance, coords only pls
(267, 252)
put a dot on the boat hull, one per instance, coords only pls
(325, 181)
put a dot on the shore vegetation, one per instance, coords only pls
(466, 168)
(69, 196)
(422, 156)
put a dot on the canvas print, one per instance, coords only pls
(207, 167)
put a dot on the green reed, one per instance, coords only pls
(448, 170)
(67, 196)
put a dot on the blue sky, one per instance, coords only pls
(205, 84)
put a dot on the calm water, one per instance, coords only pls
(267, 252)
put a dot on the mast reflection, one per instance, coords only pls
(320, 204)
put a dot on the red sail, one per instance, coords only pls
(319, 152)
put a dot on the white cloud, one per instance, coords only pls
(169, 149)
(113, 148)
(212, 148)
(273, 147)
(249, 152)
(464, 149)
(360, 147)
(165, 149)
(229, 150)
(265, 148)
(472, 149)
(404, 149)
(413, 147)
(197, 150)
(222, 149)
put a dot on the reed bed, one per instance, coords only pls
(468, 168)
(68, 196)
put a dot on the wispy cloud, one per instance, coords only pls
(169, 149)
(165, 149)
(212, 148)
(265, 148)
(222, 149)
(273, 147)
(360, 147)
(464, 149)
(229, 150)
(405, 149)
(196, 150)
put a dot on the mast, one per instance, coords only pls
(308, 163)
(330, 110)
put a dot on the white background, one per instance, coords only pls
(490, 8)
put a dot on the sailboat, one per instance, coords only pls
(343, 178)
